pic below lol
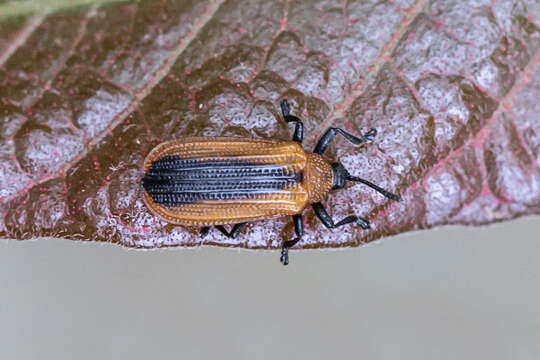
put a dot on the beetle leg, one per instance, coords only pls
(299, 129)
(324, 141)
(327, 221)
(299, 229)
(204, 231)
(237, 228)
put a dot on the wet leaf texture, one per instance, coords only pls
(452, 87)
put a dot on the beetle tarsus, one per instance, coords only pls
(233, 234)
(364, 224)
(204, 231)
(284, 258)
(285, 107)
(324, 141)
(327, 221)
(370, 135)
(299, 230)
(299, 129)
(285, 250)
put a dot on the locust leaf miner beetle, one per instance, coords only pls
(213, 181)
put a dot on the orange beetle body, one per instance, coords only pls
(213, 181)
(255, 201)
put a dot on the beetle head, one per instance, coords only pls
(340, 175)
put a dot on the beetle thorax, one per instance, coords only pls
(318, 177)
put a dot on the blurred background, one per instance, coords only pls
(469, 293)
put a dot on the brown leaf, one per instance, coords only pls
(451, 87)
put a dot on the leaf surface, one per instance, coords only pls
(452, 88)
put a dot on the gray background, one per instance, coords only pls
(468, 293)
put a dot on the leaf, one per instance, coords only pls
(10, 9)
(451, 87)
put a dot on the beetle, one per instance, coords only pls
(213, 181)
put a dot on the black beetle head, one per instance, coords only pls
(340, 175)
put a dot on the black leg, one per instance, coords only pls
(327, 221)
(299, 129)
(324, 141)
(299, 229)
(237, 228)
(204, 231)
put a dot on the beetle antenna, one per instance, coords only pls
(379, 189)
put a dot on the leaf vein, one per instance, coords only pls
(31, 25)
